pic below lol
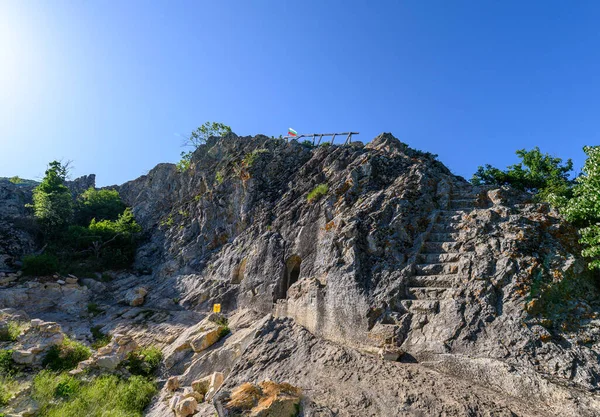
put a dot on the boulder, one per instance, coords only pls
(205, 339)
(109, 362)
(172, 384)
(216, 380)
(23, 356)
(135, 296)
(94, 285)
(186, 407)
(267, 399)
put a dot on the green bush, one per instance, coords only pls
(144, 361)
(99, 205)
(44, 264)
(100, 339)
(317, 192)
(61, 395)
(66, 356)
(7, 365)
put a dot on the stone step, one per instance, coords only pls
(440, 247)
(439, 281)
(432, 258)
(444, 268)
(421, 306)
(428, 293)
(442, 237)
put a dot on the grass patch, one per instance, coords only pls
(61, 395)
(66, 356)
(250, 158)
(317, 192)
(100, 339)
(8, 388)
(11, 332)
(223, 324)
(94, 309)
(143, 361)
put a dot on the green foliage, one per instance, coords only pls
(66, 356)
(199, 137)
(66, 386)
(100, 339)
(99, 205)
(584, 208)
(325, 144)
(223, 324)
(52, 201)
(541, 174)
(317, 192)
(93, 309)
(219, 177)
(251, 157)
(16, 180)
(60, 395)
(143, 361)
(7, 365)
(308, 144)
(12, 332)
(36, 265)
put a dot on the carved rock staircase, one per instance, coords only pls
(437, 272)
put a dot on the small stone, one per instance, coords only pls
(36, 323)
(136, 296)
(61, 282)
(70, 280)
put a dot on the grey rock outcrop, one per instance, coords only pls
(399, 256)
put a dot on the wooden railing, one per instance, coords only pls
(317, 137)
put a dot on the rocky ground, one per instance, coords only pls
(401, 290)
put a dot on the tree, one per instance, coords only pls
(540, 174)
(584, 208)
(52, 201)
(99, 205)
(199, 137)
(16, 180)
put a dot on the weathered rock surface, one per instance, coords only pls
(403, 290)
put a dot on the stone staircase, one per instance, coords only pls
(437, 272)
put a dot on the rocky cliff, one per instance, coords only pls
(366, 275)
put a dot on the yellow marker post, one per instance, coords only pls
(216, 308)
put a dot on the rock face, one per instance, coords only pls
(396, 289)
(398, 256)
(17, 228)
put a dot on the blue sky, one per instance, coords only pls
(111, 85)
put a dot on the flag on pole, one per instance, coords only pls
(292, 132)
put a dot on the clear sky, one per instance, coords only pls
(112, 85)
